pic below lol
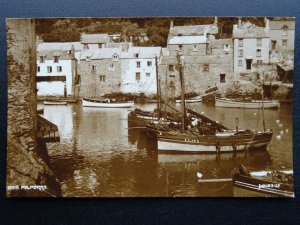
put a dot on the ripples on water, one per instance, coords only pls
(98, 155)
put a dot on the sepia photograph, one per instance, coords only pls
(150, 107)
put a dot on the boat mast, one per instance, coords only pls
(180, 67)
(157, 87)
(262, 103)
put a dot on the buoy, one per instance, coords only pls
(199, 175)
(202, 112)
(277, 121)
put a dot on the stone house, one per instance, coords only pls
(127, 69)
(251, 45)
(94, 41)
(282, 35)
(56, 69)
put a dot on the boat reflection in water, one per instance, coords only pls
(100, 156)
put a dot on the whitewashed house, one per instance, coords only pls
(56, 69)
(251, 45)
(139, 70)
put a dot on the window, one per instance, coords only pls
(222, 78)
(38, 69)
(149, 63)
(88, 58)
(171, 67)
(240, 42)
(85, 46)
(147, 74)
(259, 42)
(284, 43)
(180, 47)
(59, 68)
(207, 48)
(226, 48)
(172, 75)
(195, 49)
(259, 61)
(94, 68)
(205, 67)
(240, 62)
(100, 45)
(284, 30)
(241, 53)
(49, 69)
(137, 76)
(111, 67)
(42, 59)
(136, 55)
(138, 64)
(102, 78)
(258, 53)
(56, 58)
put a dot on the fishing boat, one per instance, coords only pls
(191, 100)
(105, 103)
(252, 104)
(273, 183)
(206, 136)
(55, 103)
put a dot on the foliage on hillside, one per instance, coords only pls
(154, 29)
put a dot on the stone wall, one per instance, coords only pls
(25, 165)
(91, 85)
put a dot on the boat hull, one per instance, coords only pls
(226, 103)
(212, 143)
(86, 103)
(193, 100)
(247, 186)
(55, 103)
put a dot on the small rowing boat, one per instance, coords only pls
(55, 103)
(253, 104)
(191, 100)
(105, 103)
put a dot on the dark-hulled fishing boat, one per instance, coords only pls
(274, 183)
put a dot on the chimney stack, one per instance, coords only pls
(267, 24)
(240, 22)
(216, 21)
(172, 23)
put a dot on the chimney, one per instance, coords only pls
(240, 23)
(72, 51)
(172, 23)
(130, 39)
(125, 47)
(267, 24)
(216, 21)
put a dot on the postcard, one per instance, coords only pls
(150, 107)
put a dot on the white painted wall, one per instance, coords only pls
(146, 84)
(55, 87)
(249, 52)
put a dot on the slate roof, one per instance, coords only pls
(63, 55)
(249, 31)
(94, 38)
(190, 30)
(187, 39)
(144, 53)
(59, 46)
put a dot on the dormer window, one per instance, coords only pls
(56, 59)
(42, 59)
(115, 57)
(85, 46)
(136, 55)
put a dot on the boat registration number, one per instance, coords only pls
(192, 141)
(262, 186)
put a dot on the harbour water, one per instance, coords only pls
(98, 155)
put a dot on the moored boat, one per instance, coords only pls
(274, 183)
(105, 103)
(191, 100)
(253, 104)
(55, 103)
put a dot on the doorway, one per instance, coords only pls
(248, 64)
